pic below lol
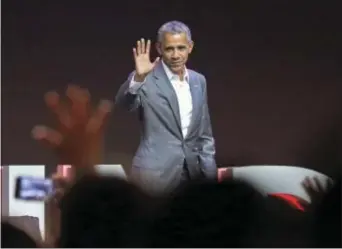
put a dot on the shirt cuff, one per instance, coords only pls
(134, 86)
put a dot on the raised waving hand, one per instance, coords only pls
(143, 64)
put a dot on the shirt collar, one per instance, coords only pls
(170, 75)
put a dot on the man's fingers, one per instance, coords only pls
(138, 47)
(135, 53)
(148, 47)
(98, 119)
(47, 135)
(53, 101)
(143, 48)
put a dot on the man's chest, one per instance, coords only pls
(183, 94)
(169, 99)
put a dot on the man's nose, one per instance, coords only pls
(175, 55)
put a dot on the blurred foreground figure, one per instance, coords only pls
(76, 138)
(14, 237)
(103, 212)
(210, 214)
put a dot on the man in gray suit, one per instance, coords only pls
(176, 141)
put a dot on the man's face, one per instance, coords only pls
(174, 50)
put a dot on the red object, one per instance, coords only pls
(291, 200)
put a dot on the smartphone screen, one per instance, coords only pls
(33, 188)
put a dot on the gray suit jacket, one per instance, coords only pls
(163, 148)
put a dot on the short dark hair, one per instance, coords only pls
(99, 212)
(209, 214)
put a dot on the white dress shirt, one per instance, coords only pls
(183, 93)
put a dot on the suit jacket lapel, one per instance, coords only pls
(165, 86)
(196, 93)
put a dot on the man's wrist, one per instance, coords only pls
(139, 78)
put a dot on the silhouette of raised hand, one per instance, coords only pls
(77, 138)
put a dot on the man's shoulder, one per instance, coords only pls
(191, 71)
(196, 74)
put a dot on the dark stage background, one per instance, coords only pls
(272, 69)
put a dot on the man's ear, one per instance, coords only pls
(158, 48)
(191, 46)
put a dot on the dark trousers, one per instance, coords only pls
(155, 182)
(185, 173)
